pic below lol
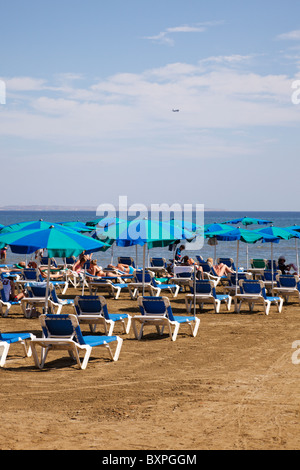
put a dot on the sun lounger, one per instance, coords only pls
(157, 311)
(62, 332)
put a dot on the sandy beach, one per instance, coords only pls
(234, 386)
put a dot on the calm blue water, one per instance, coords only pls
(280, 219)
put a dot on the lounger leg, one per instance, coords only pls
(217, 305)
(4, 347)
(27, 349)
(127, 327)
(267, 307)
(138, 334)
(115, 357)
(196, 327)
(44, 351)
(7, 308)
(87, 354)
(175, 333)
(111, 328)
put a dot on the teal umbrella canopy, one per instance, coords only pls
(59, 241)
(104, 221)
(78, 226)
(31, 225)
(282, 233)
(248, 221)
(244, 235)
(144, 231)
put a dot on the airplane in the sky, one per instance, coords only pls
(175, 110)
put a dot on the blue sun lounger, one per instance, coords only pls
(7, 339)
(157, 311)
(205, 292)
(62, 332)
(92, 310)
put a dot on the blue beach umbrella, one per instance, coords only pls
(243, 235)
(248, 221)
(59, 241)
(215, 227)
(282, 234)
(78, 226)
(144, 232)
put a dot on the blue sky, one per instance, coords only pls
(90, 88)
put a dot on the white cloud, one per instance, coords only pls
(136, 109)
(164, 36)
(24, 84)
(291, 35)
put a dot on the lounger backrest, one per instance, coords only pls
(204, 286)
(228, 261)
(87, 304)
(259, 263)
(269, 264)
(126, 260)
(61, 326)
(287, 280)
(232, 278)
(159, 306)
(37, 289)
(29, 274)
(252, 287)
(206, 267)
(158, 262)
(183, 271)
(139, 276)
(267, 275)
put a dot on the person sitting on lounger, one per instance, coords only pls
(9, 290)
(286, 268)
(186, 261)
(79, 264)
(221, 269)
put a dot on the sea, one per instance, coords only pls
(222, 249)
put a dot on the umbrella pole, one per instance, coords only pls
(237, 267)
(112, 255)
(272, 268)
(48, 285)
(297, 255)
(144, 257)
(194, 290)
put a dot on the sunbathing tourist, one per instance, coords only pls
(286, 268)
(221, 269)
(9, 290)
(98, 271)
(186, 261)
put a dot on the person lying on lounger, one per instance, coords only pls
(186, 261)
(221, 268)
